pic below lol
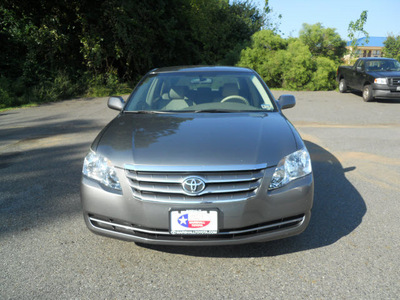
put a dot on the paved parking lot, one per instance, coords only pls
(351, 248)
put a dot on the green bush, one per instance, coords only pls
(106, 85)
(61, 87)
(6, 99)
(298, 66)
(265, 55)
(288, 64)
(323, 78)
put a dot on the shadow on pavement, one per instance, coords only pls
(40, 175)
(338, 210)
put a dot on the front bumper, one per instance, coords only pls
(386, 91)
(387, 94)
(269, 215)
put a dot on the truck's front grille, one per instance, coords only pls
(395, 81)
(225, 186)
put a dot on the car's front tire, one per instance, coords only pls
(342, 86)
(368, 93)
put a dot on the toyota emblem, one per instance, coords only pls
(193, 185)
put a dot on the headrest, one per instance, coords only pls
(177, 92)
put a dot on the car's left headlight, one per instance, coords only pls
(291, 167)
(100, 168)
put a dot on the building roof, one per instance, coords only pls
(373, 41)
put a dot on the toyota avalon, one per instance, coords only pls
(198, 156)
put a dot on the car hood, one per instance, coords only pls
(385, 74)
(202, 139)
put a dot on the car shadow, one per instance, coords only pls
(394, 101)
(338, 210)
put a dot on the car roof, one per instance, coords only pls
(200, 69)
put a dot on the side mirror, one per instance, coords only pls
(116, 102)
(286, 101)
(359, 69)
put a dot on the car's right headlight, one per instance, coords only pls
(100, 168)
(291, 167)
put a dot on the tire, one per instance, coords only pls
(367, 93)
(342, 86)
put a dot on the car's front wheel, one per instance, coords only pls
(342, 86)
(367, 93)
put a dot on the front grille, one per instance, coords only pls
(225, 186)
(395, 81)
(128, 229)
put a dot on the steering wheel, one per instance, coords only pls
(244, 100)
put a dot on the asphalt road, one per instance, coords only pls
(349, 251)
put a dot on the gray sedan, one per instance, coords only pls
(198, 156)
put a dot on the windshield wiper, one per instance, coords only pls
(214, 111)
(144, 112)
(227, 111)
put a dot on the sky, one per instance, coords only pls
(383, 15)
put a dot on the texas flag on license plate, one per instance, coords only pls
(194, 222)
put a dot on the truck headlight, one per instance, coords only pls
(99, 168)
(291, 167)
(380, 80)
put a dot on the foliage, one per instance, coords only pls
(392, 47)
(323, 42)
(298, 66)
(356, 29)
(60, 49)
(323, 76)
(270, 22)
(289, 64)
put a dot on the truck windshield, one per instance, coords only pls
(382, 65)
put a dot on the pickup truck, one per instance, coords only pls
(375, 77)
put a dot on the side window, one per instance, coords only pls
(361, 65)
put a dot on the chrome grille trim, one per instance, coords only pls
(395, 81)
(178, 199)
(221, 186)
(176, 189)
(134, 230)
(125, 227)
(223, 168)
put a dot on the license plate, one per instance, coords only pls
(194, 222)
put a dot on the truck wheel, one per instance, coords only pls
(367, 93)
(342, 86)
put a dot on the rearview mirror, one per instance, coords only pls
(116, 102)
(286, 101)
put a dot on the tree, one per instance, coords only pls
(356, 29)
(323, 42)
(392, 47)
(219, 28)
(52, 48)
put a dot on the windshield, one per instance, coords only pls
(382, 65)
(200, 92)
